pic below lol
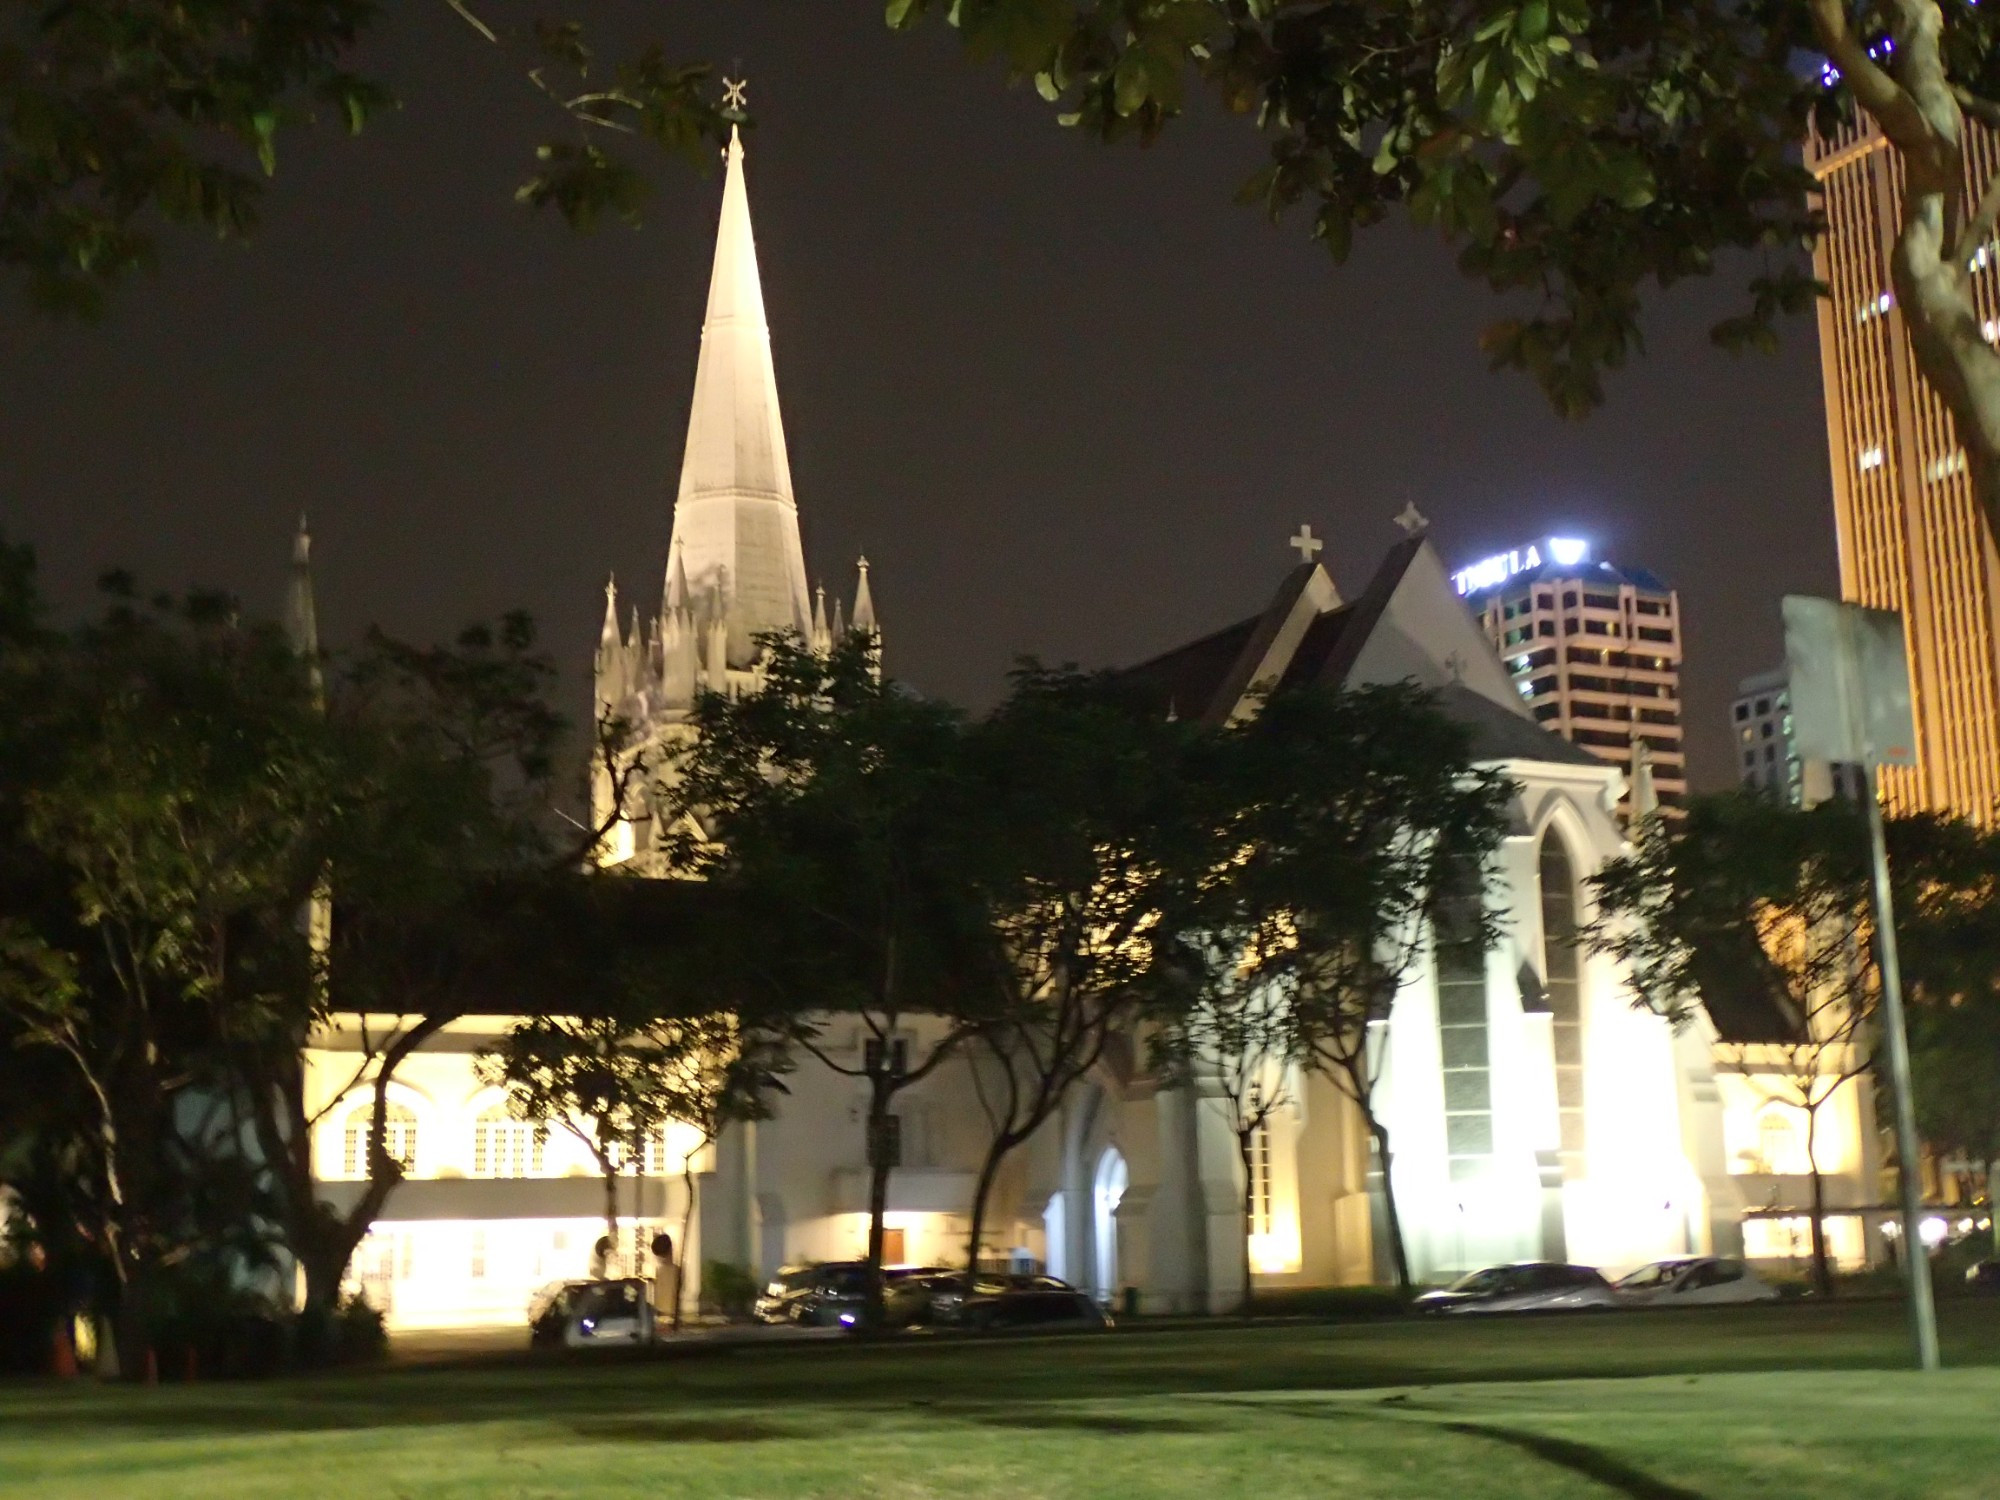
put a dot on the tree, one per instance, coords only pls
(617, 1082)
(1569, 151)
(834, 811)
(434, 851)
(1083, 817)
(169, 819)
(1216, 1027)
(1357, 841)
(185, 785)
(1947, 874)
(1761, 908)
(118, 116)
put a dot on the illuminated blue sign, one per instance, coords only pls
(1491, 572)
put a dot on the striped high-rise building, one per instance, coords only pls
(1594, 648)
(1910, 533)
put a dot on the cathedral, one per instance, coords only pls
(1536, 1112)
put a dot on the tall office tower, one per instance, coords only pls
(1911, 537)
(1593, 647)
(1767, 752)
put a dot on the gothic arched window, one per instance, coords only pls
(399, 1138)
(1562, 952)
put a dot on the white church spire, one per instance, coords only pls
(736, 524)
(864, 600)
(301, 611)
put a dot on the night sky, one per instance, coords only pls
(1069, 399)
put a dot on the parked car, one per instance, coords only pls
(592, 1314)
(1983, 1276)
(832, 1293)
(1043, 1304)
(1693, 1280)
(949, 1299)
(1529, 1286)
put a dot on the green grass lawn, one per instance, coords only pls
(1756, 1402)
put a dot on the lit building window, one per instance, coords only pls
(1944, 468)
(1462, 1036)
(1780, 1147)
(399, 1138)
(1260, 1178)
(503, 1146)
(1563, 958)
(1871, 458)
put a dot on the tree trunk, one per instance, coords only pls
(1243, 1151)
(879, 1096)
(1398, 1255)
(1993, 1199)
(989, 1169)
(610, 1212)
(1822, 1266)
(687, 1228)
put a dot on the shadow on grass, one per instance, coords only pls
(1579, 1458)
(1113, 1424)
(679, 1430)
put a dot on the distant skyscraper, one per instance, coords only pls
(1911, 537)
(1767, 754)
(1594, 648)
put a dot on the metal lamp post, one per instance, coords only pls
(1850, 690)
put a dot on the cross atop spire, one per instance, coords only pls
(1413, 521)
(733, 91)
(1306, 544)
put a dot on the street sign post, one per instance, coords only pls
(1850, 696)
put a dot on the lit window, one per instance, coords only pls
(1260, 1178)
(503, 1146)
(399, 1138)
(1871, 458)
(1944, 468)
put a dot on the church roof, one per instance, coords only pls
(1208, 677)
(1500, 735)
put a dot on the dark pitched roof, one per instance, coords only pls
(1239, 679)
(1498, 734)
(1185, 679)
(1317, 647)
(1208, 677)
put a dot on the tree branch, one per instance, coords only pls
(1874, 90)
(1978, 229)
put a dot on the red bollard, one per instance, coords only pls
(62, 1363)
(152, 1366)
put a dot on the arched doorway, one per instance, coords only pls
(1107, 1189)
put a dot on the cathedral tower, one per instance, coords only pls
(736, 569)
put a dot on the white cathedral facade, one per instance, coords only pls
(1535, 1112)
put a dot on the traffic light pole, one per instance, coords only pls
(1896, 1043)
